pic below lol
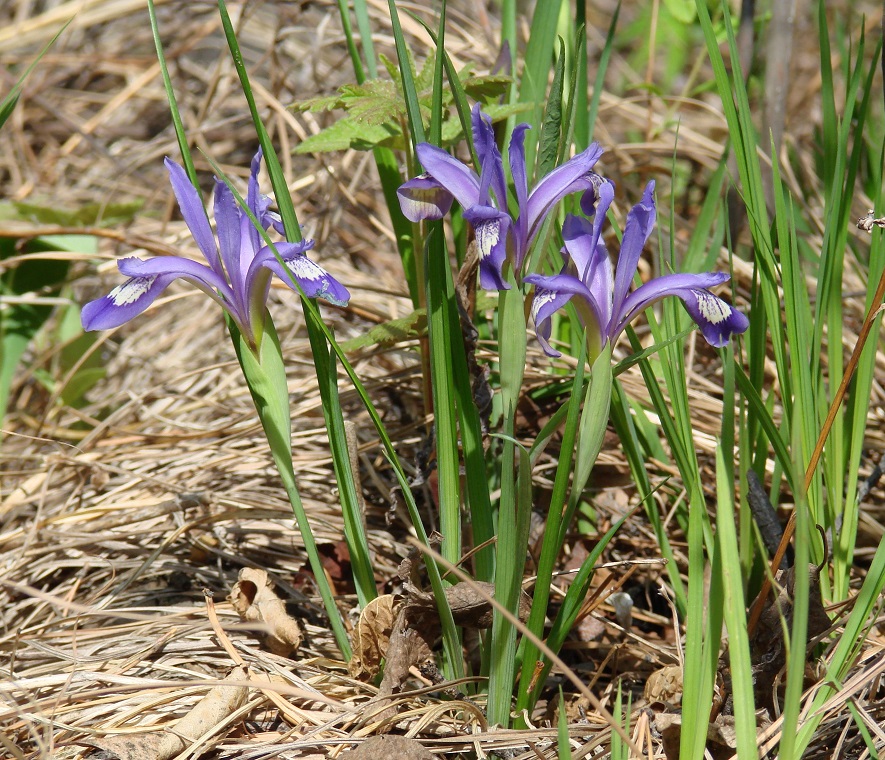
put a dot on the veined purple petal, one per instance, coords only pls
(553, 293)
(483, 134)
(520, 183)
(124, 302)
(590, 261)
(194, 214)
(254, 201)
(459, 179)
(491, 163)
(227, 224)
(717, 319)
(424, 198)
(178, 266)
(640, 222)
(490, 227)
(556, 185)
(147, 280)
(315, 281)
(592, 185)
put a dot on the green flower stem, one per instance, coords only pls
(266, 376)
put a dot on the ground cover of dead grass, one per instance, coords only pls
(125, 523)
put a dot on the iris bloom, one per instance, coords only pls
(604, 302)
(484, 197)
(240, 265)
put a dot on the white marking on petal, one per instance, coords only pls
(131, 290)
(713, 309)
(303, 267)
(542, 298)
(487, 236)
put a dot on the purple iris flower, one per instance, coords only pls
(240, 265)
(604, 302)
(484, 197)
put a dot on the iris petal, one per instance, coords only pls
(572, 176)
(315, 281)
(490, 227)
(551, 294)
(640, 222)
(717, 319)
(424, 198)
(147, 280)
(194, 214)
(461, 181)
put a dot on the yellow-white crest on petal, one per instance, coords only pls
(303, 267)
(713, 309)
(541, 299)
(131, 290)
(487, 237)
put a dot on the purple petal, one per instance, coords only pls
(572, 176)
(193, 213)
(424, 198)
(124, 302)
(551, 294)
(590, 260)
(490, 161)
(459, 179)
(594, 183)
(227, 223)
(315, 281)
(520, 183)
(147, 280)
(717, 319)
(255, 200)
(490, 227)
(640, 222)
(201, 275)
(483, 133)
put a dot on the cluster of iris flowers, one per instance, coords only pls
(240, 264)
(603, 297)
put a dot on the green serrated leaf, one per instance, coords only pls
(90, 214)
(321, 104)
(348, 133)
(482, 87)
(390, 333)
(392, 68)
(424, 79)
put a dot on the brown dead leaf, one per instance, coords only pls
(138, 747)
(372, 636)
(255, 601)
(387, 747)
(208, 713)
(665, 685)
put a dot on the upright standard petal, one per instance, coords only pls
(640, 223)
(194, 214)
(589, 261)
(520, 184)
